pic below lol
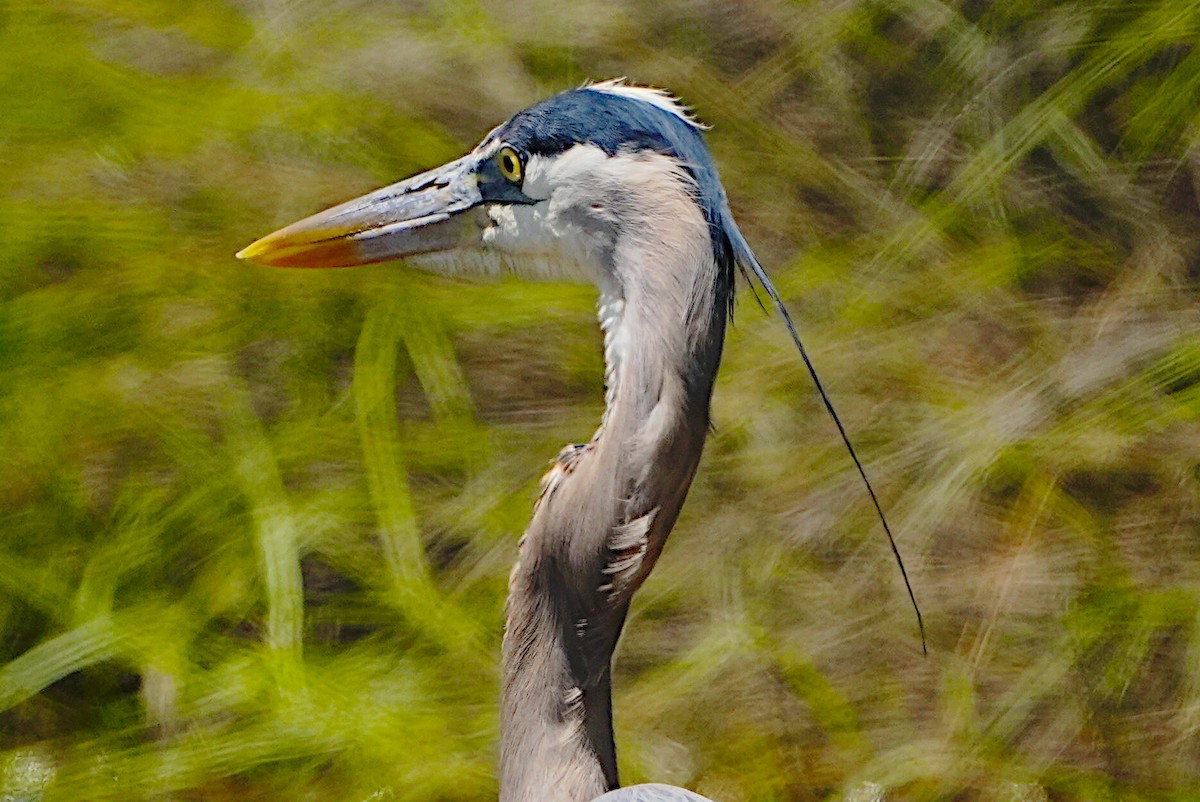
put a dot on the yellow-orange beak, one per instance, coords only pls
(418, 215)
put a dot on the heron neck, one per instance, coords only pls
(602, 519)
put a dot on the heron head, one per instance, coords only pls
(577, 176)
(564, 179)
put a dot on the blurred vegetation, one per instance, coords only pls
(257, 524)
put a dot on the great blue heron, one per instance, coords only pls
(613, 183)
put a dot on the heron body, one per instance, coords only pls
(614, 184)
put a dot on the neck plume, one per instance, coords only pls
(606, 509)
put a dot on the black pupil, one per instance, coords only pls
(509, 166)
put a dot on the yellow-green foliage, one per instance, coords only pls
(256, 524)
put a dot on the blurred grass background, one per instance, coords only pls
(257, 524)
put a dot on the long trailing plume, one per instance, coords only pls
(746, 258)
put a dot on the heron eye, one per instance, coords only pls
(509, 162)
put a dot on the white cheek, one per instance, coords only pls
(520, 229)
(531, 245)
(563, 233)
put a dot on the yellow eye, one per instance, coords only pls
(509, 162)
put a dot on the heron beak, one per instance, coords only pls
(418, 215)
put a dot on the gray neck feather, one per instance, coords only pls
(606, 509)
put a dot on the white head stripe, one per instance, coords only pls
(659, 98)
